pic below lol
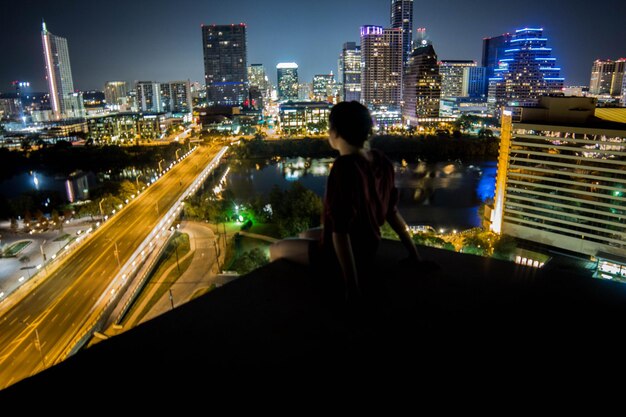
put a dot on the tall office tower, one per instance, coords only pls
(452, 76)
(65, 103)
(258, 78)
(493, 51)
(225, 64)
(180, 100)
(115, 92)
(607, 77)
(474, 81)
(402, 18)
(381, 62)
(350, 71)
(148, 96)
(287, 76)
(323, 86)
(422, 84)
(526, 72)
(561, 177)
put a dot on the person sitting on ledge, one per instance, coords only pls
(360, 196)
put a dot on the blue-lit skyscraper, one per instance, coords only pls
(526, 71)
(493, 51)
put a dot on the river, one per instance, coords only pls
(444, 195)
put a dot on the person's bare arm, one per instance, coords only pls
(397, 223)
(345, 256)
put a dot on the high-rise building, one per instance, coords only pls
(402, 18)
(452, 77)
(474, 81)
(350, 72)
(225, 63)
(180, 97)
(65, 102)
(607, 77)
(381, 62)
(148, 96)
(526, 71)
(422, 84)
(258, 78)
(493, 51)
(287, 76)
(115, 92)
(561, 177)
(323, 87)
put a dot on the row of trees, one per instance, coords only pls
(62, 160)
(429, 147)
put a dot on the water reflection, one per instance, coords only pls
(442, 195)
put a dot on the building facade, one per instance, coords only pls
(148, 96)
(422, 85)
(607, 77)
(287, 76)
(323, 87)
(258, 78)
(225, 64)
(381, 64)
(561, 178)
(116, 93)
(350, 72)
(493, 52)
(64, 101)
(304, 117)
(402, 18)
(526, 72)
(453, 77)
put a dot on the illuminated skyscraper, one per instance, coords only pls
(422, 84)
(180, 100)
(561, 177)
(64, 101)
(149, 96)
(115, 92)
(350, 71)
(287, 76)
(323, 86)
(381, 62)
(607, 77)
(526, 72)
(258, 78)
(493, 52)
(402, 18)
(225, 63)
(452, 77)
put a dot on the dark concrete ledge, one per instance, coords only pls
(277, 329)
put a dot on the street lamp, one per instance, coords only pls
(43, 254)
(160, 170)
(37, 342)
(177, 150)
(101, 209)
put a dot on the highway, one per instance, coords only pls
(36, 332)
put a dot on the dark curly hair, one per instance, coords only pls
(352, 121)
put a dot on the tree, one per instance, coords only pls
(249, 261)
(485, 133)
(504, 247)
(295, 210)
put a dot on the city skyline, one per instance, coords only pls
(311, 35)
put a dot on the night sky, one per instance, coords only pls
(160, 40)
